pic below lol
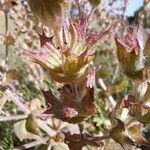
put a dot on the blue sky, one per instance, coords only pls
(132, 5)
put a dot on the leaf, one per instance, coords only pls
(22, 133)
(55, 105)
(68, 96)
(32, 125)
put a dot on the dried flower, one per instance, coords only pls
(69, 60)
(95, 3)
(50, 12)
(130, 51)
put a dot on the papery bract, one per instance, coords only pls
(147, 51)
(138, 109)
(50, 13)
(73, 105)
(131, 133)
(130, 51)
(69, 60)
(135, 131)
(120, 135)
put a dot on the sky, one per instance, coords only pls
(132, 6)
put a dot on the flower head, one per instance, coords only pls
(69, 59)
(130, 52)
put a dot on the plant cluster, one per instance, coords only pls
(79, 111)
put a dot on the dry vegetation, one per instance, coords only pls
(74, 74)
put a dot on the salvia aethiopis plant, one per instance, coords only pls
(68, 58)
(83, 115)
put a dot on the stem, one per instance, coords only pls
(90, 139)
(124, 9)
(59, 125)
(115, 73)
(99, 138)
(46, 128)
(6, 46)
(12, 118)
(79, 8)
(6, 22)
(32, 144)
(81, 130)
(111, 99)
(77, 93)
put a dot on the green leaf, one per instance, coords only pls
(31, 125)
(22, 133)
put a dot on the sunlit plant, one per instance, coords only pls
(67, 53)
